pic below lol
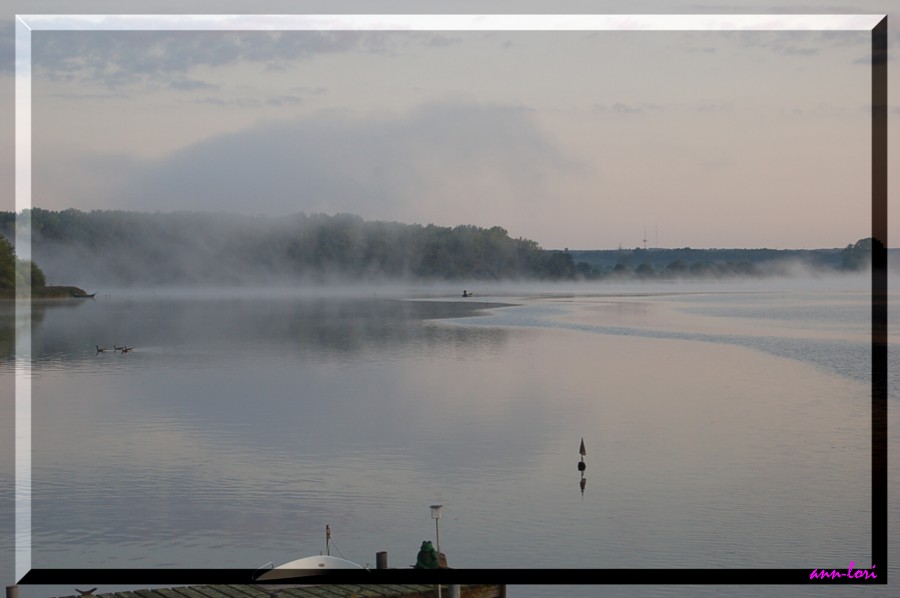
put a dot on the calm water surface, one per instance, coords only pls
(724, 427)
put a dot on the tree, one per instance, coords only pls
(645, 270)
(677, 268)
(702, 269)
(858, 255)
(621, 269)
(7, 265)
(558, 265)
(585, 270)
(38, 281)
(14, 271)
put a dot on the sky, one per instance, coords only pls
(578, 139)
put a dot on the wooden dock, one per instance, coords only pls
(311, 591)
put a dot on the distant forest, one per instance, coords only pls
(183, 248)
(122, 248)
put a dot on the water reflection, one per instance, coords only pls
(237, 428)
(186, 333)
(8, 314)
(7, 330)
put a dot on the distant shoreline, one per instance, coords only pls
(51, 292)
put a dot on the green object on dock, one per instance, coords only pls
(427, 557)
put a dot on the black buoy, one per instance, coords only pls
(581, 451)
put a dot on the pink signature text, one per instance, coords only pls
(850, 574)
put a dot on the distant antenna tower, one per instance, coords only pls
(645, 238)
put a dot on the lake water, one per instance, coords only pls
(726, 426)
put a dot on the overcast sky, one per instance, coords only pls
(573, 139)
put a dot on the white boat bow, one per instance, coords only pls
(307, 566)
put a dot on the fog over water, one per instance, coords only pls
(139, 249)
(726, 426)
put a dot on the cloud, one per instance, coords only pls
(117, 58)
(705, 50)
(284, 100)
(803, 43)
(791, 50)
(190, 85)
(90, 97)
(470, 162)
(122, 57)
(621, 108)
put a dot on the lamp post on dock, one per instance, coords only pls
(436, 515)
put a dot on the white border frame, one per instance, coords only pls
(25, 24)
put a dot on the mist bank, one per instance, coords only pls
(140, 249)
(105, 248)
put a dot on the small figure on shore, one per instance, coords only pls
(465, 293)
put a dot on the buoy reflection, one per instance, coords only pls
(582, 466)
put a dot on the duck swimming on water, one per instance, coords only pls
(100, 349)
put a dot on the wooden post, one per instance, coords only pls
(12, 591)
(381, 560)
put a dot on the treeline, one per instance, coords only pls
(718, 263)
(119, 248)
(137, 248)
